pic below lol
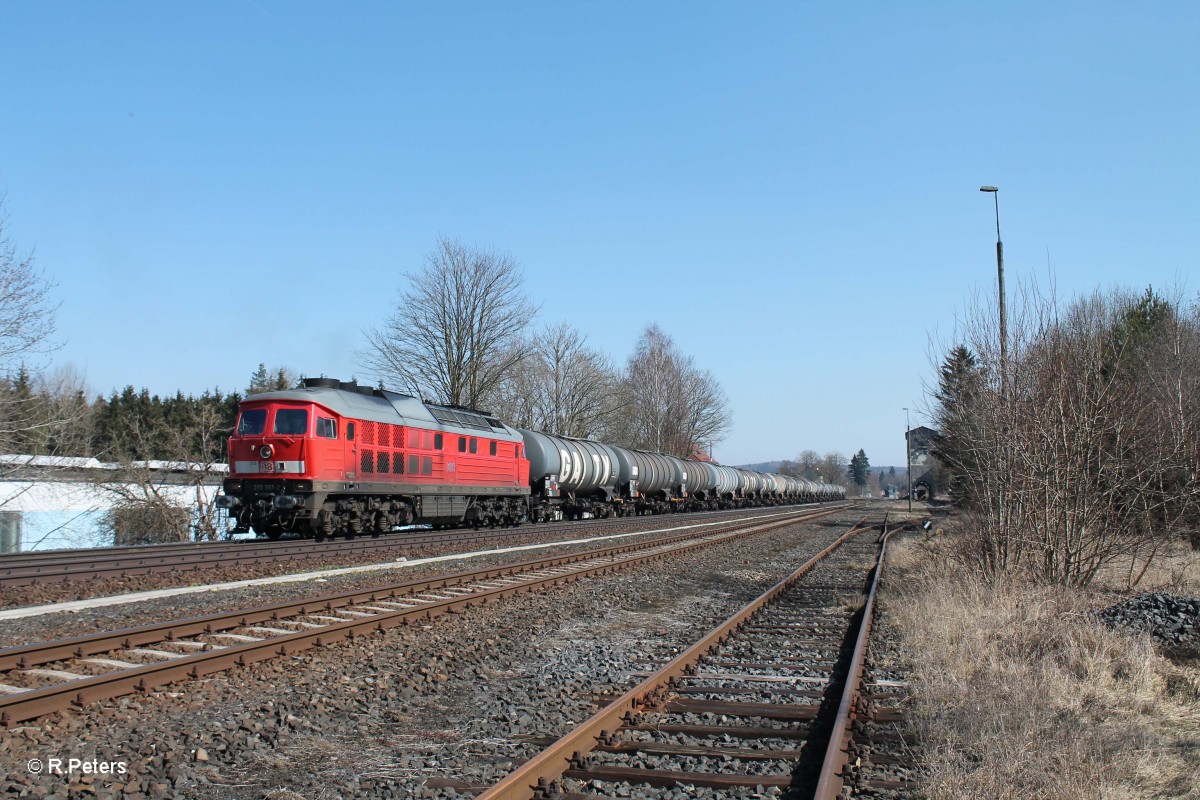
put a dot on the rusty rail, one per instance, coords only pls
(549, 765)
(837, 755)
(26, 569)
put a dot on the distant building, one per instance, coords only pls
(49, 502)
(922, 463)
(920, 441)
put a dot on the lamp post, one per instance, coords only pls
(1004, 438)
(908, 457)
(995, 192)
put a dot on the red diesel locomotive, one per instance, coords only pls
(337, 459)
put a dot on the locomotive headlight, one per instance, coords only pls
(265, 452)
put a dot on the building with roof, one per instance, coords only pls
(52, 502)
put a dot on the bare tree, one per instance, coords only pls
(1083, 447)
(573, 392)
(457, 328)
(652, 375)
(675, 407)
(810, 465)
(515, 398)
(26, 311)
(164, 489)
(832, 468)
(38, 411)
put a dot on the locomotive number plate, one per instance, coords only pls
(266, 466)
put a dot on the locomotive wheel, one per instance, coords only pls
(274, 532)
(323, 528)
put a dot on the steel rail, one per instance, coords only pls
(837, 754)
(540, 771)
(25, 656)
(35, 702)
(26, 569)
(167, 547)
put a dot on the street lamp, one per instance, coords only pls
(908, 457)
(995, 192)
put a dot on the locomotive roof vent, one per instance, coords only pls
(321, 383)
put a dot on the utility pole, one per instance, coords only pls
(908, 457)
(995, 192)
(1004, 409)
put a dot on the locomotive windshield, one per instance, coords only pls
(291, 421)
(252, 422)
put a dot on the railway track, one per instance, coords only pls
(767, 699)
(40, 678)
(33, 568)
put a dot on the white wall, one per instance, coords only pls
(58, 514)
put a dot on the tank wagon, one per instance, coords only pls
(333, 458)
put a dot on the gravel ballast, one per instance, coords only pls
(1169, 619)
(397, 714)
(324, 558)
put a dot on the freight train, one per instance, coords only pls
(332, 458)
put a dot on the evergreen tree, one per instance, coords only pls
(1139, 326)
(260, 381)
(960, 382)
(859, 470)
(271, 380)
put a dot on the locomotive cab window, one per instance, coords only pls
(437, 441)
(252, 422)
(462, 444)
(326, 428)
(350, 431)
(474, 445)
(291, 422)
(492, 448)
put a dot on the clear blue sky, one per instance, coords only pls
(789, 189)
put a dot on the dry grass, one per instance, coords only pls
(1175, 568)
(1019, 694)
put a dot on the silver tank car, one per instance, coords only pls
(752, 483)
(727, 481)
(702, 479)
(581, 472)
(701, 482)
